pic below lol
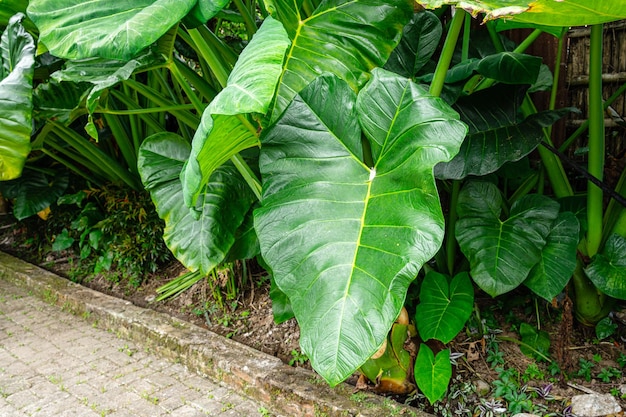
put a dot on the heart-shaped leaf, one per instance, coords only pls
(607, 270)
(34, 191)
(224, 130)
(502, 252)
(345, 239)
(510, 67)
(444, 308)
(17, 63)
(347, 38)
(542, 12)
(558, 258)
(102, 28)
(201, 238)
(432, 374)
(536, 342)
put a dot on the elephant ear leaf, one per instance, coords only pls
(103, 28)
(357, 36)
(17, 63)
(200, 239)
(502, 252)
(345, 239)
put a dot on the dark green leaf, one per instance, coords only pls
(345, 239)
(35, 191)
(558, 258)
(502, 252)
(420, 39)
(607, 270)
(444, 308)
(62, 241)
(510, 68)
(605, 328)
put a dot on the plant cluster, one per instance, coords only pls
(322, 148)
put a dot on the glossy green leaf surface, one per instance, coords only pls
(496, 134)
(75, 29)
(432, 373)
(17, 62)
(224, 129)
(202, 11)
(202, 238)
(347, 38)
(501, 252)
(420, 40)
(345, 239)
(510, 68)
(444, 307)
(542, 12)
(558, 258)
(607, 270)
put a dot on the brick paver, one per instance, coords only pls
(53, 363)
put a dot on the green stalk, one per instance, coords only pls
(450, 226)
(210, 55)
(436, 86)
(186, 117)
(197, 104)
(615, 215)
(466, 37)
(556, 76)
(124, 142)
(590, 305)
(111, 167)
(248, 19)
(194, 79)
(582, 128)
(596, 142)
(133, 106)
(69, 164)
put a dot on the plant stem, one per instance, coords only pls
(596, 142)
(248, 19)
(211, 56)
(450, 226)
(248, 175)
(436, 86)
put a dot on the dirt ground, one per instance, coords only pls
(247, 317)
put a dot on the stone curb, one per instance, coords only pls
(262, 377)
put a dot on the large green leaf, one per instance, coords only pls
(420, 40)
(510, 67)
(502, 252)
(76, 29)
(444, 307)
(224, 130)
(607, 270)
(347, 38)
(496, 135)
(17, 62)
(542, 12)
(344, 239)
(432, 374)
(558, 258)
(201, 241)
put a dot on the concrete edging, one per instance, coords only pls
(262, 377)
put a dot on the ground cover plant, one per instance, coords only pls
(330, 146)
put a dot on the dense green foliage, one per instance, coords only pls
(323, 146)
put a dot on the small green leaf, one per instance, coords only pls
(605, 328)
(607, 270)
(444, 308)
(62, 241)
(510, 68)
(538, 340)
(432, 374)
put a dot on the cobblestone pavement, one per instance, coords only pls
(53, 363)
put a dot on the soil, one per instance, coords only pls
(246, 316)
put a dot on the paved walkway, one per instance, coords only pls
(53, 363)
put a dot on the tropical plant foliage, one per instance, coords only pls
(322, 143)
